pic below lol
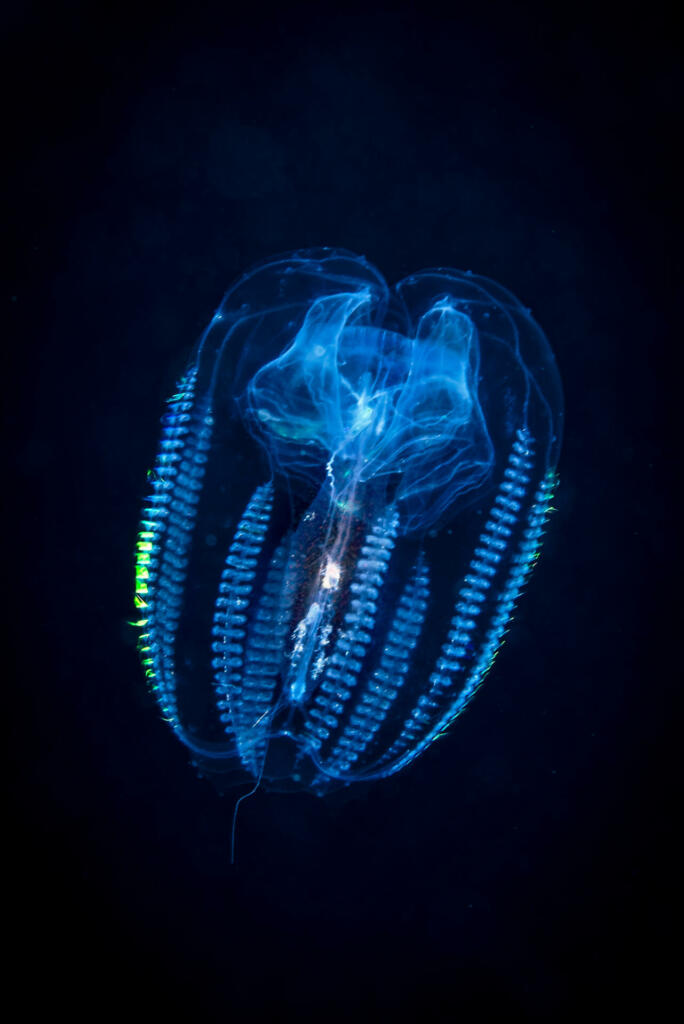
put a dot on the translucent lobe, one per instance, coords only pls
(369, 404)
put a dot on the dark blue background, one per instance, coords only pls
(525, 864)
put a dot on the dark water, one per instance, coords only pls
(525, 865)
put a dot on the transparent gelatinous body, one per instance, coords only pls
(349, 496)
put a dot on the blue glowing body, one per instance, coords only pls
(350, 494)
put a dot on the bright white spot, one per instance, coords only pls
(331, 575)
